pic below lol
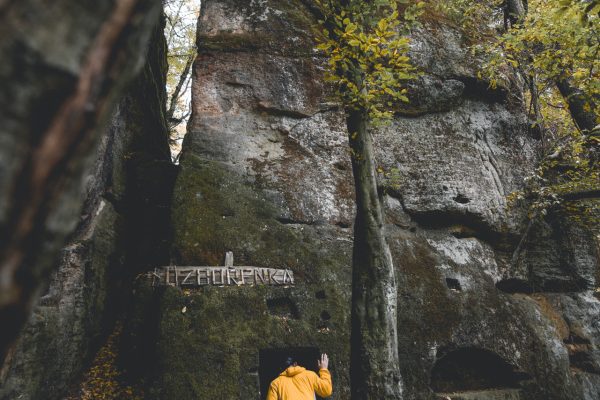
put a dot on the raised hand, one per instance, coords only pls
(323, 363)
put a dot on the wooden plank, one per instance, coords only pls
(155, 276)
(247, 273)
(229, 259)
(221, 281)
(221, 276)
(273, 275)
(199, 272)
(187, 277)
(258, 274)
(230, 279)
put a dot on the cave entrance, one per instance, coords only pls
(514, 285)
(271, 361)
(473, 369)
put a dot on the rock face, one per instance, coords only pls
(65, 67)
(125, 192)
(265, 173)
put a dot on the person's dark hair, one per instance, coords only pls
(289, 362)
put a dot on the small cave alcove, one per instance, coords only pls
(472, 369)
(514, 285)
(271, 363)
(453, 284)
(283, 307)
(461, 198)
(580, 354)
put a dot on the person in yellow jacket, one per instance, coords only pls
(298, 383)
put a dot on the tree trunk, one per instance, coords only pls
(585, 120)
(515, 10)
(374, 367)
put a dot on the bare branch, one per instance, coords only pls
(178, 92)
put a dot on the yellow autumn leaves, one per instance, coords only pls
(103, 381)
(367, 54)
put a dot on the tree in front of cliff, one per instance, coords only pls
(367, 50)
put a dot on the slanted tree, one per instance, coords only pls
(367, 47)
(558, 42)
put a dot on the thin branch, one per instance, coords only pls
(177, 93)
(582, 195)
(515, 256)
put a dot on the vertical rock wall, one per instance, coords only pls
(65, 64)
(122, 231)
(265, 173)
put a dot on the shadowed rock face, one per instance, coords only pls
(116, 238)
(64, 67)
(265, 173)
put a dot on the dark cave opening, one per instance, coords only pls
(580, 354)
(469, 369)
(283, 307)
(271, 363)
(514, 285)
(453, 284)
(461, 198)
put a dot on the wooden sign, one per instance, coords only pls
(221, 276)
(227, 275)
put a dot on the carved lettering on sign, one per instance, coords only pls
(221, 276)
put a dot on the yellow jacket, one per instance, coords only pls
(297, 383)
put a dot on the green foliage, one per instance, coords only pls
(564, 179)
(105, 380)
(556, 40)
(477, 18)
(391, 179)
(591, 8)
(368, 52)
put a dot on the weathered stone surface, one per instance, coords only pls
(483, 395)
(459, 165)
(559, 257)
(65, 65)
(110, 245)
(265, 174)
(69, 319)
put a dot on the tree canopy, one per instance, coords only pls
(367, 48)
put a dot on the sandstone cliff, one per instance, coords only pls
(265, 174)
(122, 231)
